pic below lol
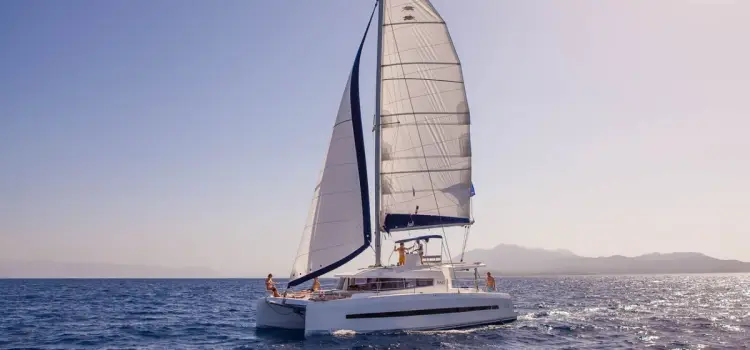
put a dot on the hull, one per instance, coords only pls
(385, 313)
(409, 312)
(271, 313)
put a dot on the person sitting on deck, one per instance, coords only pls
(401, 254)
(270, 286)
(315, 285)
(490, 282)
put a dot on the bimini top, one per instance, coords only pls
(426, 238)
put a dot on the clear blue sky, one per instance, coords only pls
(185, 133)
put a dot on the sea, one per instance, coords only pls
(565, 312)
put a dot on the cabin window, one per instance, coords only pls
(385, 284)
(424, 282)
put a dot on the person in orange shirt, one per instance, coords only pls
(315, 285)
(401, 254)
(490, 282)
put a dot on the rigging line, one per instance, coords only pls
(419, 135)
(466, 239)
(468, 230)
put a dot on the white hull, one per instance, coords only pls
(369, 312)
(269, 314)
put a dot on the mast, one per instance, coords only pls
(381, 12)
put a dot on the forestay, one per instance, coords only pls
(338, 224)
(426, 148)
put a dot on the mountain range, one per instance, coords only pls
(507, 259)
(504, 259)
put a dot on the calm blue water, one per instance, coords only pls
(673, 311)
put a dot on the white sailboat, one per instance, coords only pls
(423, 181)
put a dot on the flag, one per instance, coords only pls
(472, 193)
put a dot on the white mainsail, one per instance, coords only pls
(338, 224)
(425, 169)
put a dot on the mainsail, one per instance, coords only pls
(338, 224)
(425, 156)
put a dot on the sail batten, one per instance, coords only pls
(423, 62)
(425, 153)
(338, 224)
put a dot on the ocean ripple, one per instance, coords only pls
(581, 312)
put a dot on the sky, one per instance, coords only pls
(191, 133)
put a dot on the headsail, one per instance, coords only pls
(338, 225)
(425, 152)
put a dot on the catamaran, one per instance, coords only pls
(422, 182)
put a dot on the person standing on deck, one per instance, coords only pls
(315, 285)
(419, 249)
(401, 254)
(490, 282)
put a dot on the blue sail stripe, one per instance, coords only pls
(415, 221)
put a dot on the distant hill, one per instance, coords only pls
(516, 260)
(50, 269)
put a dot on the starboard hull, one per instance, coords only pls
(388, 313)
